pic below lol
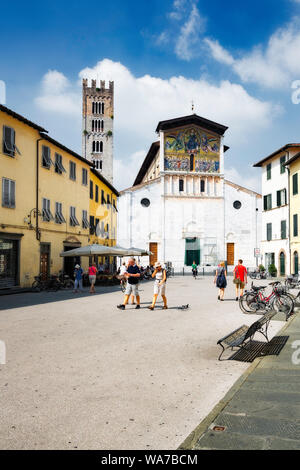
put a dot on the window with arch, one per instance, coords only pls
(181, 185)
(191, 162)
(296, 262)
(202, 186)
(97, 125)
(98, 164)
(97, 146)
(97, 107)
(282, 263)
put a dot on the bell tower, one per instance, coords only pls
(97, 126)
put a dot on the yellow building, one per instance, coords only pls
(44, 202)
(293, 165)
(103, 212)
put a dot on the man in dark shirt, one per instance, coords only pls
(133, 276)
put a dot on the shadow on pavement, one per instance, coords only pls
(38, 298)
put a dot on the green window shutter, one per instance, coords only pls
(265, 203)
(295, 220)
(8, 140)
(278, 199)
(283, 229)
(12, 194)
(295, 184)
(282, 161)
(5, 192)
(269, 169)
(269, 232)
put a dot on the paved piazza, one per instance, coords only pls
(82, 374)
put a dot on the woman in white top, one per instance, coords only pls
(123, 269)
(159, 285)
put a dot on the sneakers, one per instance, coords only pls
(121, 306)
(137, 307)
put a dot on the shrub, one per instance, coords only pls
(272, 270)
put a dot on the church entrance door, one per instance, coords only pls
(153, 249)
(230, 254)
(192, 251)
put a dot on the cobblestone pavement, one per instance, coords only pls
(82, 374)
(262, 410)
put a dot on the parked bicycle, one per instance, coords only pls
(123, 284)
(65, 280)
(258, 275)
(292, 282)
(256, 300)
(50, 284)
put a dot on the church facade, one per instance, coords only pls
(180, 206)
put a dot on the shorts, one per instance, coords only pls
(239, 283)
(132, 289)
(159, 289)
(92, 279)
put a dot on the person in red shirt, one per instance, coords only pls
(92, 277)
(239, 278)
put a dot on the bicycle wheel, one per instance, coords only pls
(250, 303)
(36, 286)
(69, 284)
(283, 303)
(123, 287)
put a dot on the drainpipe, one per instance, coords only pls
(289, 213)
(37, 230)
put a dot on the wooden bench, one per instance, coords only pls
(244, 334)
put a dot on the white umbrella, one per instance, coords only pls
(139, 251)
(97, 250)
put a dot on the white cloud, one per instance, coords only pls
(125, 171)
(57, 94)
(248, 179)
(274, 66)
(178, 9)
(188, 39)
(218, 52)
(141, 102)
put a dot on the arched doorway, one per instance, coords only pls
(296, 262)
(282, 263)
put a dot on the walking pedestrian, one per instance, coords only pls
(92, 271)
(195, 269)
(133, 276)
(239, 279)
(78, 273)
(160, 276)
(221, 280)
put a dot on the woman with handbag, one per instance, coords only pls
(221, 280)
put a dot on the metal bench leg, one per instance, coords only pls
(221, 352)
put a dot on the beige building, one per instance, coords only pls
(44, 202)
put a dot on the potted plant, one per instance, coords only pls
(272, 270)
(108, 133)
(261, 268)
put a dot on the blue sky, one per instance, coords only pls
(236, 61)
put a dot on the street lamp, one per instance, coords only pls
(33, 213)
